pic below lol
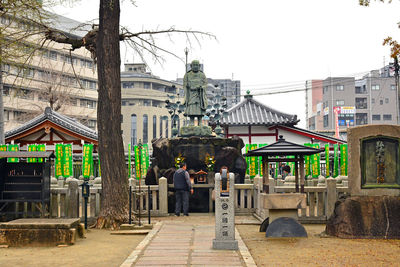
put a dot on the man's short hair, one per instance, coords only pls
(286, 168)
(182, 164)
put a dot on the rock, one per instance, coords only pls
(226, 151)
(366, 217)
(285, 227)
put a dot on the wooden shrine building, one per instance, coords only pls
(51, 128)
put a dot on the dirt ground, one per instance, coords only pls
(99, 249)
(317, 251)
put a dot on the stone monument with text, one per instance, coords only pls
(225, 211)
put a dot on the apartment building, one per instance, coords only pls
(144, 115)
(369, 100)
(54, 76)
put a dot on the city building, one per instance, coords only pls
(144, 116)
(54, 76)
(369, 100)
(257, 123)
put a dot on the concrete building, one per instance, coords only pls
(369, 100)
(53, 73)
(143, 105)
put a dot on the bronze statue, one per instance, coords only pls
(195, 86)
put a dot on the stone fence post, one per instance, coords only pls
(331, 196)
(163, 195)
(271, 183)
(73, 199)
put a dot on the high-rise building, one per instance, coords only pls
(55, 76)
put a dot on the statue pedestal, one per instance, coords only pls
(193, 130)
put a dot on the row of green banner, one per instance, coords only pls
(312, 164)
(64, 162)
(142, 160)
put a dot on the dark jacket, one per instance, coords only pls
(182, 180)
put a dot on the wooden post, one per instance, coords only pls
(265, 174)
(302, 174)
(296, 167)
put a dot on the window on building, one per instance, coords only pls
(326, 120)
(28, 72)
(53, 55)
(124, 103)
(381, 102)
(373, 100)
(6, 90)
(154, 126)
(393, 87)
(146, 103)
(361, 118)
(91, 124)
(128, 85)
(146, 85)
(339, 87)
(6, 115)
(73, 101)
(24, 94)
(166, 129)
(88, 103)
(387, 100)
(387, 117)
(339, 102)
(361, 103)
(133, 129)
(375, 87)
(145, 129)
(361, 90)
(89, 64)
(161, 129)
(376, 117)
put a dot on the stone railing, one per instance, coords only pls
(321, 193)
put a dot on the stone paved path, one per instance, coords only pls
(182, 244)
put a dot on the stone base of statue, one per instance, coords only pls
(195, 150)
(192, 130)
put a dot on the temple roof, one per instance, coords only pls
(283, 148)
(252, 112)
(58, 119)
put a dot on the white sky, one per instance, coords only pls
(263, 43)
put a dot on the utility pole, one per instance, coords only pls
(396, 79)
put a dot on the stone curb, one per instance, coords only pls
(244, 252)
(130, 261)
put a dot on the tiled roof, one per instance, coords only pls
(283, 148)
(57, 118)
(251, 112)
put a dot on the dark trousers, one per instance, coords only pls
(181, 198)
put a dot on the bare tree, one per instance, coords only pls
(103, 43)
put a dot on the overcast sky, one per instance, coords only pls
(263, 43)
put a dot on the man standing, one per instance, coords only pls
(195, 86)
(182, 187)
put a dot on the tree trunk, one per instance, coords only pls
(114, 201)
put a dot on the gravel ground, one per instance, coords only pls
(317, 251)
(99, 249)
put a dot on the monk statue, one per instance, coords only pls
(195, 86)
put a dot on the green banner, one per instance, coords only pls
(59, 159)
(98, 161)
(260, 164)
(41, 147)
(13, 148)
(253, 163)
(316, 162)
(343, 159)
(327, 160)
(129, 161)
(32, 148)
(276, 168)
(67, 160)
(291, 164)
(87, 160)
(137, 163)
(307, 163)
(247, 148)
(145, 160)
(335, 161)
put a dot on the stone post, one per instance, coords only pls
(73, 198)
(258, 188)
(271, 185)
(163, 195)
(60, 181)
(225, 212)
(330, 196)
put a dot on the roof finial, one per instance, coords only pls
(248, 95)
